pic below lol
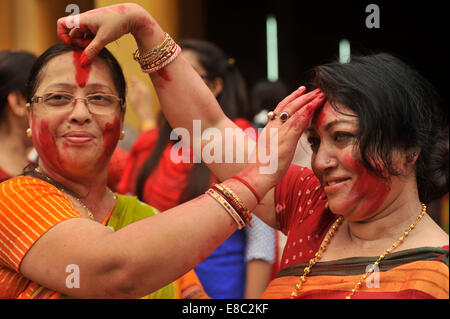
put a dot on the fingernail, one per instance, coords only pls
(301, 88)
(84, 61)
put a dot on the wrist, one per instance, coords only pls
(145, 29)
(258, 183)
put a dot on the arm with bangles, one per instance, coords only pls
(178, 84)
(137, 259)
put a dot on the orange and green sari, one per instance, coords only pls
(413, 273)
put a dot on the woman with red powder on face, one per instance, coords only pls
(53, 239)
(356, 224)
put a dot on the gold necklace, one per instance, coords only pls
(51, 181)
(327, 240)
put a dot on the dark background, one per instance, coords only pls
(309, 33)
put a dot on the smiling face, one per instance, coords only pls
(74, 142)
(352, 190)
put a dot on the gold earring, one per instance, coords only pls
(122, 135)
(28, 131)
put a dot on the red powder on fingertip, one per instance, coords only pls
(82, 72)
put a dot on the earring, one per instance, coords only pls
(122, 135)
(28, 131)
(410, 157)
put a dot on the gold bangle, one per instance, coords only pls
(241, 209)
(239, 222)
(164, 49)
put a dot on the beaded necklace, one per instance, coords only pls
(327, 240)
(71, 193)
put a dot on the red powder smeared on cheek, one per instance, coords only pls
(45, 144)
(111, 136)
(82, 73)
(369, 189)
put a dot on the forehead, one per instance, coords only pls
(63, 69)
(328, 114)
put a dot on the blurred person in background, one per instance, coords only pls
(15, 145)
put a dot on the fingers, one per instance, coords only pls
(93, 49)
(291, 97)
(300, 119)
(62, 31)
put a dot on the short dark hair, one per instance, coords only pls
(61, 48)
(15, 67)
(397, 108)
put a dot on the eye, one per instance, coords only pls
(100, 99)
(314, 142)
(56, 99)
(342, 137)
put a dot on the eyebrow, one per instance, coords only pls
(331, 124)
(70, 86)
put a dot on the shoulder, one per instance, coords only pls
(130, 209)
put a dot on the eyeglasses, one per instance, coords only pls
(98, 103)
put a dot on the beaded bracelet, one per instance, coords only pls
(222, 201)
(235, 201)
(158, 57)
(164, 62)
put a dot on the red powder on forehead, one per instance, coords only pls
(111, 136)
(82, 72)
(369, 189)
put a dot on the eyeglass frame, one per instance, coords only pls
(35, 99)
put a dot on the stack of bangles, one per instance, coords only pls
(158, 57)
(232, 204)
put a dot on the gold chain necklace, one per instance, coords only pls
(51, 181)
(327, 240)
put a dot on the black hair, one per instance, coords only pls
(15, 67)
(233, 100)
(397, 109)
(61, 48)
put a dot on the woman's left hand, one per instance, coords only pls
(94, 29)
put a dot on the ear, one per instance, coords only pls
(29, 114)
(411, 155)
(17, 103)
(216, 86)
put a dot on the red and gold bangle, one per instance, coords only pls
(235, 201)
(159, 56)
(222, 201)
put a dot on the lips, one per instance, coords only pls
(79, 137)
(334, 184)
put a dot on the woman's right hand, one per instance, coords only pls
(282, 137)
(96, 28)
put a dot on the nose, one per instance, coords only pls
(80, 112)
(324, 160)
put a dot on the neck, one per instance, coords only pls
(91, 190)
(389, 223)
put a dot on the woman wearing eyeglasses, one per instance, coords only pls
(53, 239)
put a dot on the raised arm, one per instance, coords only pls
(185, 99)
